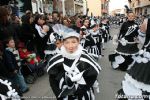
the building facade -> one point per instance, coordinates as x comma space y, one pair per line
104, 7
67, 7
73, 7
94, 10
70, 7
140, 7
42, 6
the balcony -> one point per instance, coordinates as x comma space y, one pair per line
139, 4
79, 1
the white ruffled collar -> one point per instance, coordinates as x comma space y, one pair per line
72, 55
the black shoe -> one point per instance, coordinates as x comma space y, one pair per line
103, 48
26, 90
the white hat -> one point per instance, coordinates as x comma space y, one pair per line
65, 31
71, 34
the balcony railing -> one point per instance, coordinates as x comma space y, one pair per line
79, 1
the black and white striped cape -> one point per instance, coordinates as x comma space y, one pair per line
82, 89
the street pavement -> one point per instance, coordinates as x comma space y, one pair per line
109, 79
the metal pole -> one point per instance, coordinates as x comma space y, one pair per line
63, 7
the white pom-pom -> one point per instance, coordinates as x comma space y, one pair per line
123, 42
9, 83
138, 59
147, 55
122, 39
6, 81
141, 52
144, 60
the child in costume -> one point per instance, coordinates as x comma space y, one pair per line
136, 83
72, 72
127, 45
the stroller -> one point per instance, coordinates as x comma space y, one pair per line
32, 65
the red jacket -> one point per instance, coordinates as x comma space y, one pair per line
24, 55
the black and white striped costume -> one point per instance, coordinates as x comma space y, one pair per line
72, 76
127, 46
137, 78
97, 36
51, 49
105, 31
82, 40
7, 90
90, 45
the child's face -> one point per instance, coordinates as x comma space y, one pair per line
95, 28
11, 44
59, 43
86, 23
131, 16
71, 44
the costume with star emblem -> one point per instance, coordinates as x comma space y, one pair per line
127, 46
73, 76
137, 79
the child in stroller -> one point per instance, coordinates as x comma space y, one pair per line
31, 64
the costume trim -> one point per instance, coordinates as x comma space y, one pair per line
85, 60
124, 42
11, 92
137, 84
92, 60
126, 54
58, 61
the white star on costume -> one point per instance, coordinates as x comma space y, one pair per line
74, 74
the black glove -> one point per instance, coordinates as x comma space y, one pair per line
68, 81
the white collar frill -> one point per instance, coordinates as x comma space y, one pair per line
74, 55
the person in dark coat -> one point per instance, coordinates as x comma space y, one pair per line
41, 34
26, 31
13, 64
7, 29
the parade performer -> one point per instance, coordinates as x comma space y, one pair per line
97, 37
73, 73
54, 42
127, 45
136, 84
84, 31
105, 28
